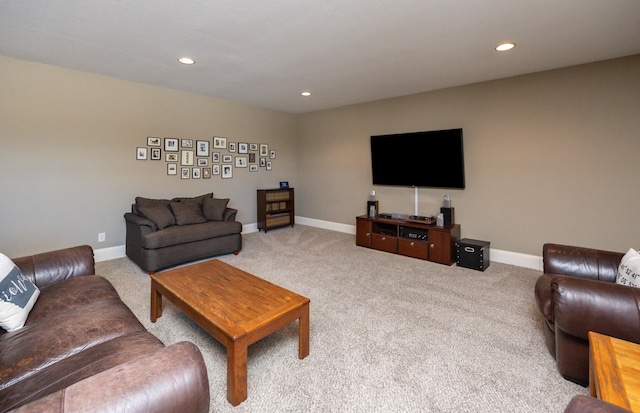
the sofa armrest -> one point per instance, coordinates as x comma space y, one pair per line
146, 225
51, 267
586, 404
230, 214
173, 379
582, 305
581, 262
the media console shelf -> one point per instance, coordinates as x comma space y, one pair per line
410, 238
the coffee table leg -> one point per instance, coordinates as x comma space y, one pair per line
237, 371
303, 333
156, 304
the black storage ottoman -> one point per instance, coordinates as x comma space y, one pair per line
472, 253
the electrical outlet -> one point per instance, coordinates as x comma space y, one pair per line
102, 236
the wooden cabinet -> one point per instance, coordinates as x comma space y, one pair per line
417, 240
276, 208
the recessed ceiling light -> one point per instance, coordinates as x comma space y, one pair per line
505, 46
305, 94
186, 61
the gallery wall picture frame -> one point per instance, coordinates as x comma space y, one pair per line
227, 158
263, 162
141, 153
264, 149
202, 162
253, 147
185, 173
206, 173
171, 145
252, 157
171, 157
187, 143
153, 141
215, 157
227, 172
187, 158
243, 147
272, 154
172, 169
231, 147
253, 168
202, 148
241, 162
156, 154
269, 166
215, 169
219, 142
196, 173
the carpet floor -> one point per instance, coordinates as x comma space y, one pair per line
387, 333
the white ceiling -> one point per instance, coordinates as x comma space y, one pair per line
265, 53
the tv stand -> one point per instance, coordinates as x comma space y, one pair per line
413, 239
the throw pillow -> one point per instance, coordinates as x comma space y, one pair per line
197, 199
17, 295
213, 208
187, 212
160, 215
629, 269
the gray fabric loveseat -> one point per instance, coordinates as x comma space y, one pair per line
162, 233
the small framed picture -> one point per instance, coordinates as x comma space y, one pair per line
187, 143
227, 172
272, 154
264, 149
171, 157
252, 157
206, 173
203, 162
232, 147
284, 185
253, 147
156, 154
202, 148
185, 173
219, 142
172, 169
187, 158
170, 144
215, 169
241, 162
253, 168
263, 162
196, 173
269, 167
243, 147
215, 157
141, 154
152, 141
227, 158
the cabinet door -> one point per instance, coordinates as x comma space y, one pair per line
413, 248
363, 233
440, 247
382, 242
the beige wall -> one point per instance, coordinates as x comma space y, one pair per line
67, 157
549, 157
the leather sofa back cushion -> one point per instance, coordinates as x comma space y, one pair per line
629, 270
17, 295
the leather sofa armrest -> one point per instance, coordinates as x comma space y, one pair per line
586, 404
581, 262
54, 266
230, 214
582, 305
173, 379
146, 225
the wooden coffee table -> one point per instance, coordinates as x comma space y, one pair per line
614, 371
235, 307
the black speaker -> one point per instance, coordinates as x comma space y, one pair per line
448, 215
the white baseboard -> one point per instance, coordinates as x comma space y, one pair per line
505, 257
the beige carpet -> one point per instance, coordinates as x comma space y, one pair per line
388, 333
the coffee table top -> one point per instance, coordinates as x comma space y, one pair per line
226, 297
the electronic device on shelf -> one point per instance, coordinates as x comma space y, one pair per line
384, 215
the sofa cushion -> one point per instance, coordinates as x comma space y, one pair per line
187, 212
629, 269
17, 295
213, 208
199, 199
160, 214
189, 233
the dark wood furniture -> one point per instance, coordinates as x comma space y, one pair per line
276, 208
235, 307
384, 234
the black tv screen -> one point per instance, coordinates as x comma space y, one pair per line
433, 159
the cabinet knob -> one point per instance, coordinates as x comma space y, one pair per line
431, 245
384, 238
412, 243
368, 234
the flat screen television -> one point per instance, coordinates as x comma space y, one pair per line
432, 159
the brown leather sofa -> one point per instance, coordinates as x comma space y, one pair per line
82, 349
576, 294
586, 404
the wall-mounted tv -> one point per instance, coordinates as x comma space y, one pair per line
432, 159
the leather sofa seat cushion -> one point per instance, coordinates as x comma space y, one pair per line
40, 344
176, 235
79, 366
